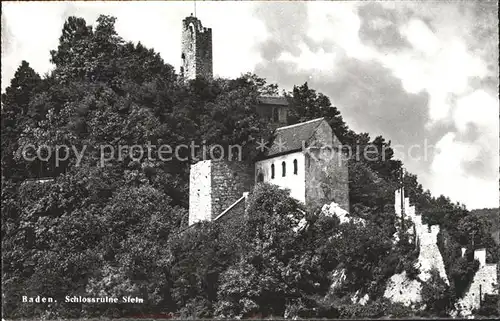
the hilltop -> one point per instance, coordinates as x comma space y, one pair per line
107, 224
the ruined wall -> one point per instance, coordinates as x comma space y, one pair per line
200, 192
269, 112
430, 257
294, 182
230, 179
232, 215
283, 115
196, 50
265, 111
327, 175
214, 185
400, 288
485, 282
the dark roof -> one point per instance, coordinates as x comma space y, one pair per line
269, 100
289, 138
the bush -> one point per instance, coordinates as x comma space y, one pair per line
489, 307
437, 295
412, 271
462, 272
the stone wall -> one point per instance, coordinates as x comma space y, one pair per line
196, 50
234, 214
327, 175
484, 282
269, 112
214, 185
200, 192
426, 236
400, 288
204, 65
230, 179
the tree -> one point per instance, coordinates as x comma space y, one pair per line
197, 258
437, 295
307, 104
16, 115
274, 268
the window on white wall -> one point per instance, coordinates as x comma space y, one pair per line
295, 167
283, 169
272, 171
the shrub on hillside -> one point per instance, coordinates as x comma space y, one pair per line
437, 296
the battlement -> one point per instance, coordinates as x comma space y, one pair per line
485, 282
425, 235
480, 255
191, 20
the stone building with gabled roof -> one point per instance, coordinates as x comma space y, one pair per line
305, 158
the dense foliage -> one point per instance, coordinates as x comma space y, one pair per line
116, 226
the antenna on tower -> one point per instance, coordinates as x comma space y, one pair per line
195, 8
402, 197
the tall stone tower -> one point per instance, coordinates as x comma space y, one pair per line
196, 50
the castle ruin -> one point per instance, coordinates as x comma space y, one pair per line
296, 160
196, 49
304, 158
401, 289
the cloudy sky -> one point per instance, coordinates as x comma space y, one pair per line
422, 74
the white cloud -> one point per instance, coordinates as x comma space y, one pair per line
420, 36
340, 24
29, 41
319, 61
440, 63
450, 154
449, 175
450, 179
477, 108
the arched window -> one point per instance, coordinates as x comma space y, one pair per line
272, 171
283, 169
295, 167
260, 178
191, 31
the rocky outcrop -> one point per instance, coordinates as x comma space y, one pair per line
402, 289
334, 209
